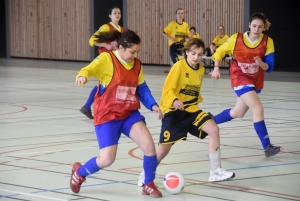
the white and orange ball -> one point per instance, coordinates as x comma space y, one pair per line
174, 182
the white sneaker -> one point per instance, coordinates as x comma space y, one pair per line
220, 175
141, 179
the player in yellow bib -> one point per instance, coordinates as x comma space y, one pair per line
176, 32
179, 102
218, 41
193, 33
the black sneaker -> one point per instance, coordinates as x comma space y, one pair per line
272, 150
86, 112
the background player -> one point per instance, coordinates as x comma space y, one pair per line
115, 16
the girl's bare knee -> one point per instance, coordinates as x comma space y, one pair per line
103, 162
149, 148
214, 131
238, 114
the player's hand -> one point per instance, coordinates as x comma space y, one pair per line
257, 60
178, 105
157, 109
80, 81
174, 39
215, 74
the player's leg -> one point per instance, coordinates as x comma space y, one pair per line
201, 127
86, 109
252, 100
136, 129
108, 136
238, 111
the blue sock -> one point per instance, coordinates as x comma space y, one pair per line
91, 98
150, 165
223, 117
89, 167
261, 130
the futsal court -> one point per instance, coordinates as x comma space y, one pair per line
42, 133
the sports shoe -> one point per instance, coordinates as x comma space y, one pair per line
151, 189
86, 112
220, 175
272, 150
76, 180
141, 179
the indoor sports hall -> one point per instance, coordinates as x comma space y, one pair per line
43, 134
42, 131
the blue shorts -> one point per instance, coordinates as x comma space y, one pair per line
109, 133
242, 91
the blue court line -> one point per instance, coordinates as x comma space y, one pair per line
134, 180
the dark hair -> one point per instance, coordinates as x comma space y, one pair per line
110, 10
193, 42
127, 38
193, 28
262, 17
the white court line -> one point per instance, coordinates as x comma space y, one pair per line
30, 195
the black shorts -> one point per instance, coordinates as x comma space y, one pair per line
176, 125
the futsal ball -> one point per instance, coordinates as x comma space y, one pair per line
174, 182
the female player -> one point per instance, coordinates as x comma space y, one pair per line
115, 16
180, 99
253, 54
218, 41
176, 32
121, 88
193, 33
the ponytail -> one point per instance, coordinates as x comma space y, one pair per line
103, 37
127, 38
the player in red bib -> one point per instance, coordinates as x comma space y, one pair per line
253, 54
121, 88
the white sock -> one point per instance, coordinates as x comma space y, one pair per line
215, 159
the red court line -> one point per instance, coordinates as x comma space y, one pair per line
33, 156
244, 188
4, 162
214, 183
51, 145
241, 188
24, 109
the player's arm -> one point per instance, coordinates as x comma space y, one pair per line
167, 33
144, 93
95, 69
213, 45
269, 58
169, 89
225, 48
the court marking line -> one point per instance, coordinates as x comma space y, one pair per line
29, 194
24, 109
211, 184
232, 186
